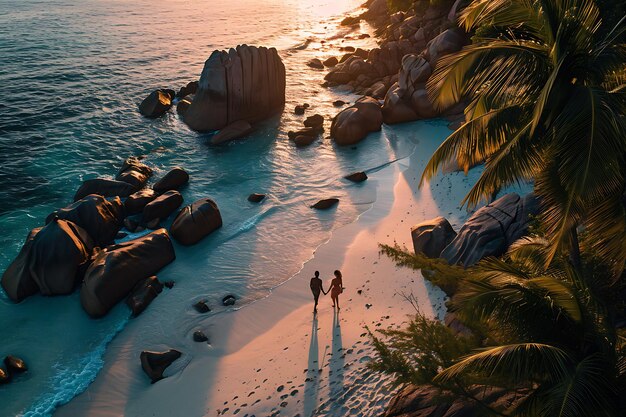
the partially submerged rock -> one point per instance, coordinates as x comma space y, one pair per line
233, 131
117, 269
17, 281
155, 363
101, 218
162, 206
432, 236
190, 88
173, 180
492, 229
15, 365
356, 176
229, 300
105, 188
201, 307
57, 258
246, 83
315, 63
196, 221
143, 294
325, 204
354, 123
156, 104
256, 198
200, 337
134, 172
135, 202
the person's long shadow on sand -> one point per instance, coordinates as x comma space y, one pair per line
336, 374
311, 385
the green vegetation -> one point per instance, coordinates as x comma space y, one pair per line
546, 332
399, 5
545, 82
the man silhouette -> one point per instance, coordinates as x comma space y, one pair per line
316, 288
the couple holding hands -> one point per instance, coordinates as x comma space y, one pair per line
336, 288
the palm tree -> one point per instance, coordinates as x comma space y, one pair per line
547, 332
545, 80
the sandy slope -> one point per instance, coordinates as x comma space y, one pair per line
279, 358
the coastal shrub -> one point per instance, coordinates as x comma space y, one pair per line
548, 330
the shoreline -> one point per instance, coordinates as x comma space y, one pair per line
267, 340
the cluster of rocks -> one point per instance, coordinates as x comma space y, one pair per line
398, 70
373, 72
76, 246
490, 231
12, 366
312, 130
160, 101
237, 88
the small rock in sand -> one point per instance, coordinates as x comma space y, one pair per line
315, 63
339, 103
299, 110
356, 177
331, 62
325, 204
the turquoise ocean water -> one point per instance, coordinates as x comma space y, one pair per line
73, 73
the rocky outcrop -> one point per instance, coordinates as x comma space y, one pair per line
431, 237
155, 363
233, 131
196, 221
162, 206
157, 103
116, 270
190, 88
246, 83
143, 294
105, 188
428, 401
101, 218
134, 172
173, 180
407, 99
491, 230
354, 123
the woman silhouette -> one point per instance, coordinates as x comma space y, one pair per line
336, 288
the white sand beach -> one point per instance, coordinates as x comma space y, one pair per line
273, 355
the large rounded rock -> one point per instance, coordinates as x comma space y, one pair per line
491, 230
156, 104
135, 202
173, 180
196, 221
246, 83
105, 188
17, 281
432, 236
396, 109
233, 131
449, 41
162, 206
101, 218
15, 365
134, 172
143, 294
58, 257
116, 270
354, 123
155, 363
